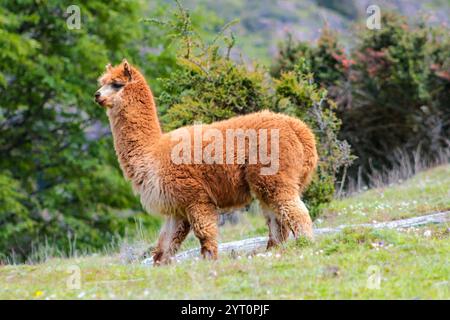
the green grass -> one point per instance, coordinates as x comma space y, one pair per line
410, 264
425, 193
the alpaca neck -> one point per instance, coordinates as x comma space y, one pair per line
135, 128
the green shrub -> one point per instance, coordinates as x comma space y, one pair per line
326, 60
399, 93
219, 92
392, 89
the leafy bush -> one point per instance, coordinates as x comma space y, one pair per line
397, 95
209, 95
327, 61
392, 89
324, 59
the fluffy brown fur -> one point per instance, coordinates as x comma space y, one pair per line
189, 195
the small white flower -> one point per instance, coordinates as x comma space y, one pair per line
213, 273
427, 233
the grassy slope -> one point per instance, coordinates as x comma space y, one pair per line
413, 263
424, 193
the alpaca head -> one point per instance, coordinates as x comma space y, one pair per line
113, 81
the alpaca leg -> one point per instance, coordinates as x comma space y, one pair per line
172, 235
278, 231
204, 221
296, 215
281, 193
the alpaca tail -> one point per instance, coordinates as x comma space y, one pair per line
308, 140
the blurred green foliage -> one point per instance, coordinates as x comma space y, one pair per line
347, 8
59, 179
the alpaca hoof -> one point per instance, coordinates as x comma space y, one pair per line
305, 231
147, 253
308, 234
160, 259
209, 254
271, 244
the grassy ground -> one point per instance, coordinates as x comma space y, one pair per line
425, 193
357, 263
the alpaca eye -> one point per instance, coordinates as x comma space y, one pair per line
117, 85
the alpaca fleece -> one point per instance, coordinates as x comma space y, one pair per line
190, 195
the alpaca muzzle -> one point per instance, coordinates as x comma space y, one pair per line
98, 99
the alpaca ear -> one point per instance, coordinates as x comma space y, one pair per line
127, 69
108, 67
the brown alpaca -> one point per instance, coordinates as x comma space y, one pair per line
189, 195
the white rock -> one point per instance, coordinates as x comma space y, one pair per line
147, 262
